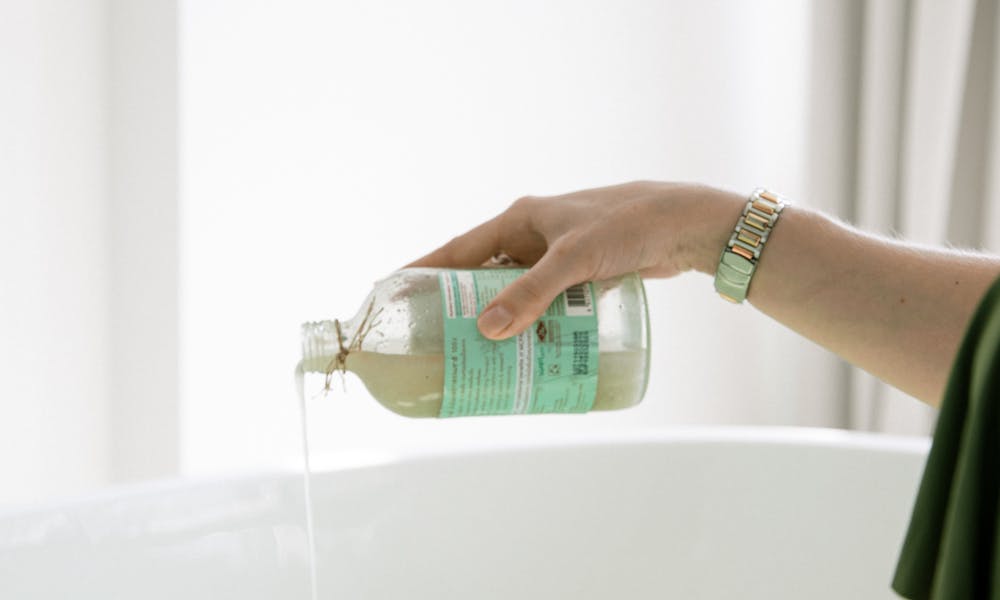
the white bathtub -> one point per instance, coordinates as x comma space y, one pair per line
689, 514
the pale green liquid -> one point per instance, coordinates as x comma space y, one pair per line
412, 384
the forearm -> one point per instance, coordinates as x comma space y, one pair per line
898, 311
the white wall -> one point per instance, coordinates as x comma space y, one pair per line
325, 144
144, 221
54, 249
88, 245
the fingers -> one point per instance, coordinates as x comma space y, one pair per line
522, 302
470, 249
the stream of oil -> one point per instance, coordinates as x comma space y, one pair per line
306, 482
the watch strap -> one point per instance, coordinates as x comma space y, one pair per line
742, 252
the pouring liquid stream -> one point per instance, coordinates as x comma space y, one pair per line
306, 482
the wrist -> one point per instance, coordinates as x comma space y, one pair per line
709, 226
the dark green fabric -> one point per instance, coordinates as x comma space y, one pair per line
951, 547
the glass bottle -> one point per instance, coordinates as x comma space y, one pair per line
396, 343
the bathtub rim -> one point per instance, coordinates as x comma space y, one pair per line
432, 450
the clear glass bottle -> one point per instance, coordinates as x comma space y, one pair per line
395, 344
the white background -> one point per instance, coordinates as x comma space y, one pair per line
325, 144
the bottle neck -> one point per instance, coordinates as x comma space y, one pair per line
325, 345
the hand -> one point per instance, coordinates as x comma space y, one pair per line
657, 229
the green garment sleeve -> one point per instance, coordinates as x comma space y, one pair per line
951, 550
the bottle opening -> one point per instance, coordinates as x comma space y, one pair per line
320, 345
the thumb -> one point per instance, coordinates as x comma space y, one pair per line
525, 300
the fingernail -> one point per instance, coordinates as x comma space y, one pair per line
494, 320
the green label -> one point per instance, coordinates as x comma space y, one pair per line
549, 368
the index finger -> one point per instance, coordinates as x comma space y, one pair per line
471, 249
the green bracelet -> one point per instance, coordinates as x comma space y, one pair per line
739, 258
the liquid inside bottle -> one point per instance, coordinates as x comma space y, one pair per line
396, 343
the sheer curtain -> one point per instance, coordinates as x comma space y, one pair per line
915, 155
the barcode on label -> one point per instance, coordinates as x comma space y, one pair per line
579, 302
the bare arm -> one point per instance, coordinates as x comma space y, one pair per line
896, 310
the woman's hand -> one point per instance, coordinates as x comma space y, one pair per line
658, 229
894, 309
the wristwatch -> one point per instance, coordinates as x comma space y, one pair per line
740, 256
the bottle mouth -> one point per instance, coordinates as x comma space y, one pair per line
320, 345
